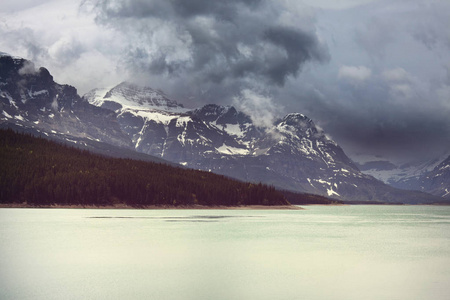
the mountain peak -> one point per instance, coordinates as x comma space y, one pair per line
135, 88
298, 124
132, 96
4, 54
296, 119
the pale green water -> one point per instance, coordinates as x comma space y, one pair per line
347, 252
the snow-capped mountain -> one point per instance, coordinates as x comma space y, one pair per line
427, 175
30, 99
293, 154
402, 175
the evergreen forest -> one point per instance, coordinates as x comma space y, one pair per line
40, 172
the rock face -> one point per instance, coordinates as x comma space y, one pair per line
29, 98
437, 182
293, 154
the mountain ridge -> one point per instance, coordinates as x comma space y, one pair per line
431, 176
223, 140
293, 154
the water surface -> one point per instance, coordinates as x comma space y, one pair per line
323, 252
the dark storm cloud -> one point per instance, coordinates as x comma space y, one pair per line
405, 137
212, 42
222, 10
299, 46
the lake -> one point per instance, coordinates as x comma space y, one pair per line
322, 252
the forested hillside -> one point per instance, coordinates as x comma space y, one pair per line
40, 172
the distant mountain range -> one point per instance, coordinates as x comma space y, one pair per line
292, 154
431, 176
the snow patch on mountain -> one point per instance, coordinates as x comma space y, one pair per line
225, 149
19, 117
447, 193
231, 129
7, 115
330, 192
158, 116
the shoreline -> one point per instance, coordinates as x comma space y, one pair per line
323, 204
153, 207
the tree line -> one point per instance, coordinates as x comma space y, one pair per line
42, 172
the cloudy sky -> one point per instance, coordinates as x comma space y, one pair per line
374, 74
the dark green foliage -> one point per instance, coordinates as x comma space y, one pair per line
41, 172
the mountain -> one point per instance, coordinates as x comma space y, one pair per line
430, 176
437, 181
293, 154
30, 99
